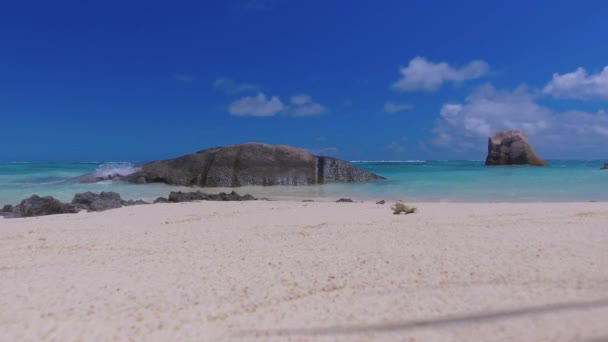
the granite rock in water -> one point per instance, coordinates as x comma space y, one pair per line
41, 206
179, 196
605, 167
511, 148
250, 164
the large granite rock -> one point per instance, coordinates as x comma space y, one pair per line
41, 206
250, 164
511, 148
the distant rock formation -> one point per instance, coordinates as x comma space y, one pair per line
511, 148
605, 167
250, 164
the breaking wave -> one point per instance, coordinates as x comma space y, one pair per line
115, 169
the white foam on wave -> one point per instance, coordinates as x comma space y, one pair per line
114, 169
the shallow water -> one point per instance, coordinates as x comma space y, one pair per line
454, 181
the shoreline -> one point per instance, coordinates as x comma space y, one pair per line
255, 270
321, 193
388, 203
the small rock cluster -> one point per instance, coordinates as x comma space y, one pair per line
177, 197
39, 206
90, 201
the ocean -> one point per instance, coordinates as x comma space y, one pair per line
448, 181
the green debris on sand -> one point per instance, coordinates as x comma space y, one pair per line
400, 207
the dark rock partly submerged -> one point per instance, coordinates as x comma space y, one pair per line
511, 148
250, 164
605, 167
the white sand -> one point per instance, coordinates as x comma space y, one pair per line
297, 271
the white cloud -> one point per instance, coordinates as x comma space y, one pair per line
464, 126
421, 74
302, 105
392, 107
231, 87
301, 99
579, 85
260, 105
256, 106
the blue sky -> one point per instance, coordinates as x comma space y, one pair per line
142, 80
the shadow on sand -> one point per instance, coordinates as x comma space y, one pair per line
432, 323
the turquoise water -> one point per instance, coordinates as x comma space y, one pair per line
21, 180
454, 181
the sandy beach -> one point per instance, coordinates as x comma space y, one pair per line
214, 271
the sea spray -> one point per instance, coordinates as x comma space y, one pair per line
113, 169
